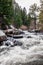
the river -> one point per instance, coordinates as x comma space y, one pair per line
30, 53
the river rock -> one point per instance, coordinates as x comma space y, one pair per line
17, 43
9, 43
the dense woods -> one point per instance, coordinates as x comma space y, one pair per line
12, 13
20, 16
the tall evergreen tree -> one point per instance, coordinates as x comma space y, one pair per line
24, 16
6, 10
17, 16
28, 19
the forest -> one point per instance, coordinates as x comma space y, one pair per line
12, 13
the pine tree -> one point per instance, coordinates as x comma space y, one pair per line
24, 16
6, 10
17, 16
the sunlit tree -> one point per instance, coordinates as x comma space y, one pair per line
33, 9
41, 12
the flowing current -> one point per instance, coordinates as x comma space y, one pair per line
30, 53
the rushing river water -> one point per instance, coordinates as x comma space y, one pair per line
30, 53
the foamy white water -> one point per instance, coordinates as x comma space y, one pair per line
30, 51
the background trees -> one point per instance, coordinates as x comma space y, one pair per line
15, 14
6, 10
20, 16
33, 13
41, 12
24, 16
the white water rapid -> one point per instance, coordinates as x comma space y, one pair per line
30, 53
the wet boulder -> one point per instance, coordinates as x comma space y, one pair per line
12, 43
9, 43
17, 43
29, 37
1, 43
